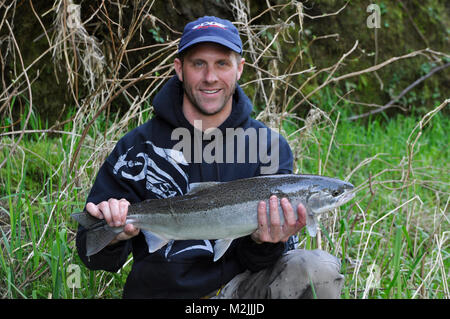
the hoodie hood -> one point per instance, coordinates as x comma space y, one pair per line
169, 100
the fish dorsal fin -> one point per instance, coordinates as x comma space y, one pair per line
220, 247
196, 187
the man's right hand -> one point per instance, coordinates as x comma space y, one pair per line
114, 212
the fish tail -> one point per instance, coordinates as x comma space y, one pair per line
98, 233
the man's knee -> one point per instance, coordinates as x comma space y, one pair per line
307, 274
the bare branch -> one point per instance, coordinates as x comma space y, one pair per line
406, 90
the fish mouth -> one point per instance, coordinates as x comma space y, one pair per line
347, 196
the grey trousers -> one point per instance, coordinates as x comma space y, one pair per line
297, 274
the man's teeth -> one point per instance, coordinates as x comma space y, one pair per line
210, 91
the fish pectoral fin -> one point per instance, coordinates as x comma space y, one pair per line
196, 187
311, 225
220, 247
154, 241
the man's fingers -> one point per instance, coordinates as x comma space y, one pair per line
290, 221
115, 212
262, 215
275, 223
130, 230
262, 232
93, 209
104, 208
273, 230
288, 212
123, 207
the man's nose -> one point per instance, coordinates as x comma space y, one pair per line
210, 75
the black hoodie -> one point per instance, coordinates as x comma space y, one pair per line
145, 164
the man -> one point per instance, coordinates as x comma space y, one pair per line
146, 163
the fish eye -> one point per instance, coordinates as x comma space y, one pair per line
335, 193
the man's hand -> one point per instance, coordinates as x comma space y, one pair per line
114, 212
275, 232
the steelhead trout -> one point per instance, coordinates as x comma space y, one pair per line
221, 211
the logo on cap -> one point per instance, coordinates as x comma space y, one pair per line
210, 24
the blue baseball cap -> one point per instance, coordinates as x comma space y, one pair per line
210, 29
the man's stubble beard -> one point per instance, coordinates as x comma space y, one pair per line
188, 91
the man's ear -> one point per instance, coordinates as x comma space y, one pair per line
178, 68
240, 68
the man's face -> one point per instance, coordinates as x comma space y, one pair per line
209, 73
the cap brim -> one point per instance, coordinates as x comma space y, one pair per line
221, 41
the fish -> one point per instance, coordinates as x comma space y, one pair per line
220, 211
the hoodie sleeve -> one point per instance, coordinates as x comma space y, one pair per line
107, 185
259, 256
256, 257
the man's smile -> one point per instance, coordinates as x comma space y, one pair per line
210, 91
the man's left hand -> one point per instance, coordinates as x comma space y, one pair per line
272, 231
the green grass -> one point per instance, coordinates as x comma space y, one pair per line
400, 222
36, 199
392, 239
